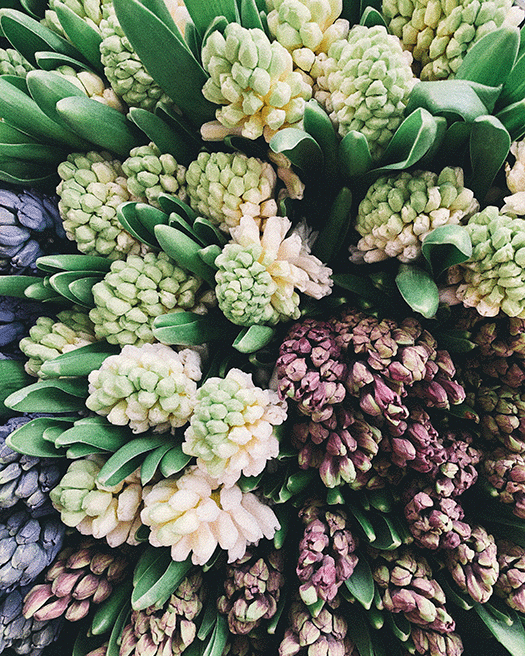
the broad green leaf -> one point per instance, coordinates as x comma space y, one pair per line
113, 648
128, 217
203, 13
488, 95
361, 583
253, 338
208, 233
320, 127
107, 612
250, 17
28, 439
15, 285
79, 362
40, 291
511, 636
10, 135
418, 289
354, 155
173, 204
47, 88
151, 462
50, 61
185, 251
26, 172
60, 282
80, 32
490, 60
82, 290
455, 342
100, 124
300, 148
513, 119
12, 378
60, 395
157, 580
514, 87
386, 534
102, 436
372, 17
173, 461
66, 262
124, 461
40, 155
453, 99
219, 636
84, 644
190, 329
446, 246
176, 63
489, 147
455, 142
332, 235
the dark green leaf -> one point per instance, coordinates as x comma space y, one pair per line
514, 88
489, 147
332, 235
372, 17
60, 282
82, 290
12, 378
513, 119
80, 32
418, 289
512, 636
15, 285
361, 583
453, 99
300, 148
187, 328
203, 13
151, 462
354, 154
79, 362
185, 251
320, 127
124, 461
158, 581
128, 217
446, 246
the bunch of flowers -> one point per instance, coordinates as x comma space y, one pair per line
262, 320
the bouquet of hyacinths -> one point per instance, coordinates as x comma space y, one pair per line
262, 328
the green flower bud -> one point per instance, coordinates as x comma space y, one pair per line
92, 188
123, 68
306, 27
227, 186
149, 174
399, 211
253, 78
439, 34
494, 276
92, 85
103, 512
364, 83
137, 290
13, 63
49, 338
148, 387
92, 11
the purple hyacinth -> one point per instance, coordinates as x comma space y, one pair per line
505, 471
510, 585
326, 552
432, 643
459, 470
16, 317
30, 227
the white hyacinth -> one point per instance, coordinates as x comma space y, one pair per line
193, 514
231, 431
515, 203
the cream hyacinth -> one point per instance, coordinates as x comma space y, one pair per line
259, 273
232, 428
515, 204
193, 514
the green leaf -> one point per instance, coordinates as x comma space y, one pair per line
113, 648
363, 287
15, 285
514, 87
61, 282
13, 377
82, 291
96, 432
418, 289
171, 204
173, 461
490, 60
79, 362
208, 233
128, 458
56, 263
446, 246
167, 141
300, 148
453, 99
387, 535
29, 438
100, 124
361, 583
253, 338
47, 88
511, 636
219, 636
185, 251
489, 147
80, 32
151, 462
203, 13
107, 612
359, 633
411, 141
29, 36
354, 154
250, 15
456, 342
190, 329
176, 64
332, 236
60, 395
158, 581
372, 17
128, 217
400, 626
513, 119
40, 291
320, 128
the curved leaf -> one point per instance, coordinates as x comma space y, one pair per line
28, 439
513, 119
510, 635
418, 289
253, 338
128, 217
12, 378
190, 329
354, 154
319, 126
66, 262
79, 362
61, 395
332, 236
185, 251
446, 246
361, 583
300, 148
453, 99
159, 577
489, 147
80, 32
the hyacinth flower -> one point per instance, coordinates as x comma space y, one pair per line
94, 509
440, 35
252, 589
16, 317
399, 211
259, 273
78, 578
13, 63
145, 387
253, 80
511, 579
228, 186
24, 635
50, 337
364, 81
326, 552
25, 478
232, 428
30, 226
170, 629
505, 472
193, 514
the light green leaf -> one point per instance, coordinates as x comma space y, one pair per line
253, 338
300, 148
446, 246
354, 155
79, 362
453, 99
190, 329
418, 289
361, 583
511, 636
489, 147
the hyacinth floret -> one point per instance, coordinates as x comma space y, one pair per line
510, 585
50, 337
439, 34
227, 186
170, 629
505, 471
399, 211
306, 27
137, 290
252, 589
231, 430
151, 386
16, 317
364, 82
150, 173
13, 63
93, 86
493, 279
193, 514
254, 81
92, 187
258, 274
110, 512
